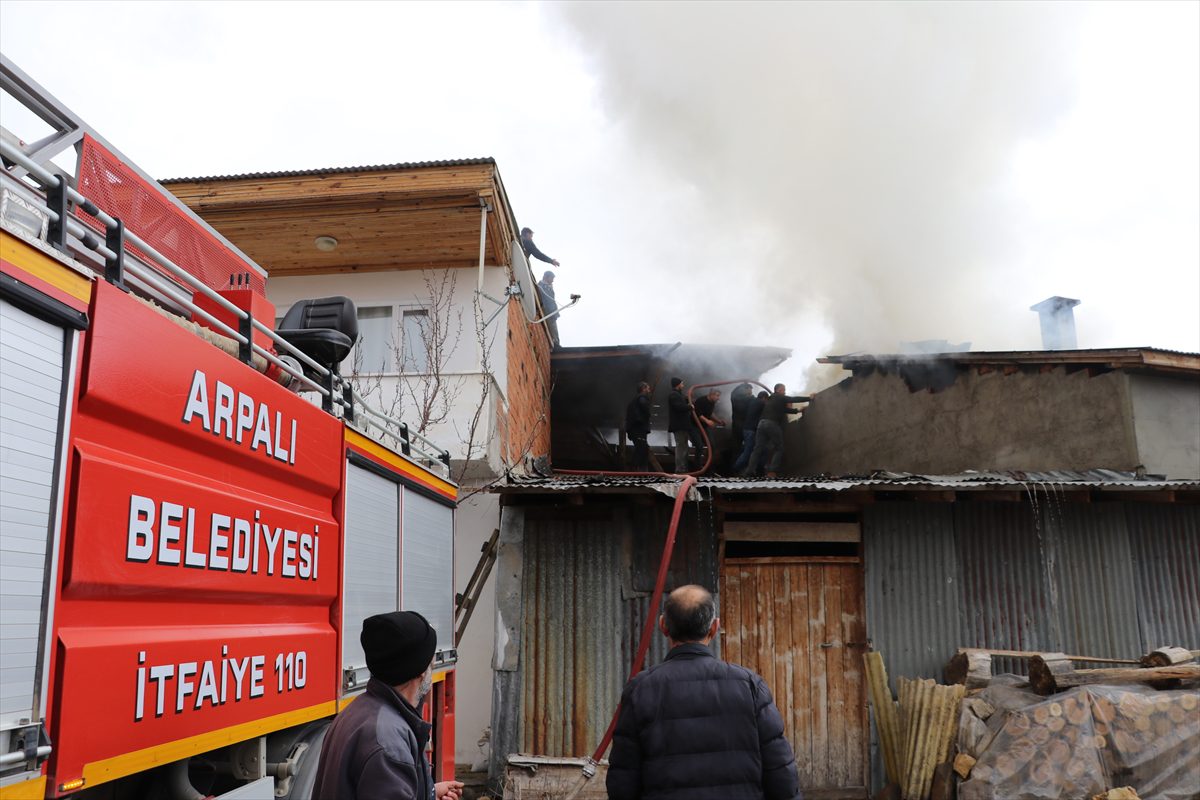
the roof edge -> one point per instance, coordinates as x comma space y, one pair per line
299, 173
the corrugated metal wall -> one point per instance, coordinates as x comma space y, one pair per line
911, 575
1097, 594
1105, 579
1165, 544
586, 597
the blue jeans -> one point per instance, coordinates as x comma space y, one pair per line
747, 448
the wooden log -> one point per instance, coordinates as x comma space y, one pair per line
963, 764
890, 791
1028, 653
942, 783
980, 708
1167, 656
1045, 669
1058, 681
1075, 712
970, 667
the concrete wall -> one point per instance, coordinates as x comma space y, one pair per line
1023, 421
1166, 424
407, 288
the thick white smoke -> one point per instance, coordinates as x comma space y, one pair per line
858, 150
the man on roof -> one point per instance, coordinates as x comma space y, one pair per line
531, 249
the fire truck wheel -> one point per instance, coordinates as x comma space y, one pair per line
304, 773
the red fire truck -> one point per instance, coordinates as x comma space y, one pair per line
196, 511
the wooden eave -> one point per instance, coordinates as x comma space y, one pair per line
384, 219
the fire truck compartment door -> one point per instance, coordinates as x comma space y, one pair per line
427, 585
372, 565
31, 397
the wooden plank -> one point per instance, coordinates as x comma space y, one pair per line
767, 654
854, 645
793, 531
784, 688
555, 780
835, 677
731, 593
802, 711
819, 686
749, 622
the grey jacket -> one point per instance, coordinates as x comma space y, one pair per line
375, 749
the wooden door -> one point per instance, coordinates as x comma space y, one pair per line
799, 623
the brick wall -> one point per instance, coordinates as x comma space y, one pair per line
525, 430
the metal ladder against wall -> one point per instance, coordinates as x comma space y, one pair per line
465, 601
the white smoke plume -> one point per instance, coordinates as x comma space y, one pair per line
857, 153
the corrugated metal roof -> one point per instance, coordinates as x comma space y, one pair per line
1024, 481
297, 173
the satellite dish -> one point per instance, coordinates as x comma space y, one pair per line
524, 277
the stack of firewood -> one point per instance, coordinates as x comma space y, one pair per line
1050, 746
1148, 736
1075, 743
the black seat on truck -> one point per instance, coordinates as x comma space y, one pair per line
323, 329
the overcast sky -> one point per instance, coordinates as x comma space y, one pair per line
825, 177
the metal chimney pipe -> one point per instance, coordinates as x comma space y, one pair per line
1058, 322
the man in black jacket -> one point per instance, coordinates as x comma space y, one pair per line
681, 425
376, 747
768, 437
637, 426
696, 727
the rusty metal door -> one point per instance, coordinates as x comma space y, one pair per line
799, 622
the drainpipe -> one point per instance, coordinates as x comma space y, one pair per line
483, 212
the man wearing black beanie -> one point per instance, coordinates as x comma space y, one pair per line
375, 748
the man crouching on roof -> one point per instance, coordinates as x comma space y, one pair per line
376, 747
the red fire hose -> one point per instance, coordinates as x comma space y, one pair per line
686, 482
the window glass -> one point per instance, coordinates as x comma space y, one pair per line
416, 341
373, 353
